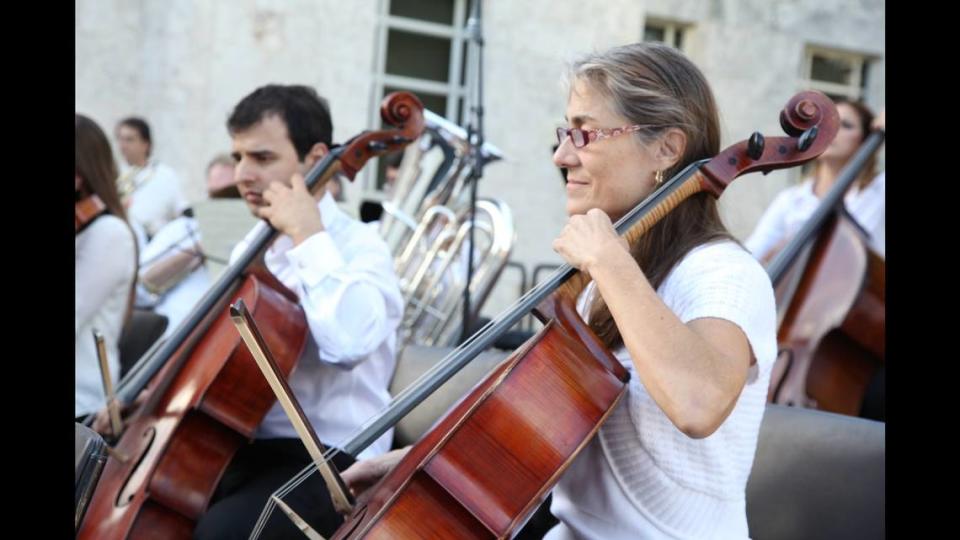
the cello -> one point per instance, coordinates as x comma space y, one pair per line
206, 394
490, 461
830, 293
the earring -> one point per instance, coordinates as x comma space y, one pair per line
658, 179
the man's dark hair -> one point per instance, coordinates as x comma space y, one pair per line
141, 126
304, 112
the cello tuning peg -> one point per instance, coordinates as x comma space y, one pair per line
755, 146
377, 146
807, 138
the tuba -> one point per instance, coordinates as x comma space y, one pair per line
432, 268
434, 171
427, 221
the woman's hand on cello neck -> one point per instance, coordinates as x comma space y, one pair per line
589, 238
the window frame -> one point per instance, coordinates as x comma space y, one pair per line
671, 28
452, 89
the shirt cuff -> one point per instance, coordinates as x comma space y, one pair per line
315, 258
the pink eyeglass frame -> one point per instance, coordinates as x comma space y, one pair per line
591, 135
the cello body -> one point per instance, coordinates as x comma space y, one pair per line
832, 335
483, 469
177, 450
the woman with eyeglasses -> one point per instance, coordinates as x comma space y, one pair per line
688, 311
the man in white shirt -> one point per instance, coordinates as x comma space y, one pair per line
342, 272
151, 190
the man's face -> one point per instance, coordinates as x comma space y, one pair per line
264, 154
133, 147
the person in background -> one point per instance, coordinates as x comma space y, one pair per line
106, 266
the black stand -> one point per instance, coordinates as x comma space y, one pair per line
475, 138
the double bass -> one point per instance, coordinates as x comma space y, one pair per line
489, 463
830, 291
206, 394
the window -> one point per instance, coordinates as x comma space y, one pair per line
663, 31
836, 73
422, 50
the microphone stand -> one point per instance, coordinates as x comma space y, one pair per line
475, 138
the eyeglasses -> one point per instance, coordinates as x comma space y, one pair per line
581, 137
